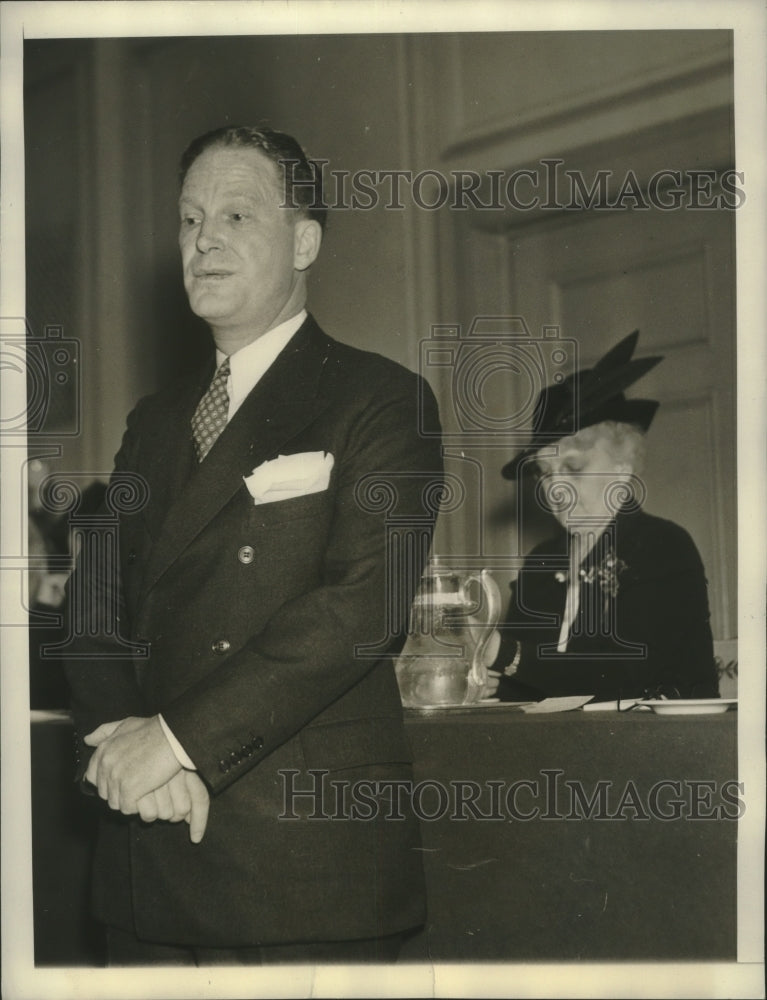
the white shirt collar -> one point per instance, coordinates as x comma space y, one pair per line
250, 363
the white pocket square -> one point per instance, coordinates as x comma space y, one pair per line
289, 476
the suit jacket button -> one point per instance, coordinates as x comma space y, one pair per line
132, 556
258, 743
224, 766
246, 554
221, 646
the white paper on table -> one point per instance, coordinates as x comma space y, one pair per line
566, 704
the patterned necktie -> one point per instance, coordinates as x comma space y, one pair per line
211, 414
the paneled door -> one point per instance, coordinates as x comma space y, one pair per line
592, 278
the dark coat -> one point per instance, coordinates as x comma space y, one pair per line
642, 626
256, 618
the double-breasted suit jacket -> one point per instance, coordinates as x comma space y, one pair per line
642, 625
254, 616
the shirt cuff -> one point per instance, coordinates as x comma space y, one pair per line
181, 755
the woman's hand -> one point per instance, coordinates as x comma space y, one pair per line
490, 688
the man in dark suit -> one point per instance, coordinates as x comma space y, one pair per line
266, 585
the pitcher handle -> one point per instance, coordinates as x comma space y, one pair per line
492, 597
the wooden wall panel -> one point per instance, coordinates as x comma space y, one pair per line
652, 294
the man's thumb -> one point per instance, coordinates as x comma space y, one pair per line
198, 814
103, 732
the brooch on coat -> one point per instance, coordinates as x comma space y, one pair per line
604, 574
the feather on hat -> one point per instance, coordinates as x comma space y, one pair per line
588, 397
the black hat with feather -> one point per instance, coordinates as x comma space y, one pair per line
589, 397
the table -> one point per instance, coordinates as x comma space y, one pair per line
585, 877
596, 888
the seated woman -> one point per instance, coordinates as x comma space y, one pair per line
615, 604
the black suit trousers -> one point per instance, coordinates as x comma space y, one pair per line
125, 949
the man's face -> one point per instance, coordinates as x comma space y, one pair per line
580, 477
243, 255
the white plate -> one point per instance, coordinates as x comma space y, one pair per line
690, 706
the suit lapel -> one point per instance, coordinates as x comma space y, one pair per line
171, 459
282, 404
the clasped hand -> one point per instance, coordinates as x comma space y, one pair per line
135, 771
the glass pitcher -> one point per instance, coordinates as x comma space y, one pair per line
443, 660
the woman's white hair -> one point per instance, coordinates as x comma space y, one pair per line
625, 442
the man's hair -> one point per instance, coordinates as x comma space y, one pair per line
302, 177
